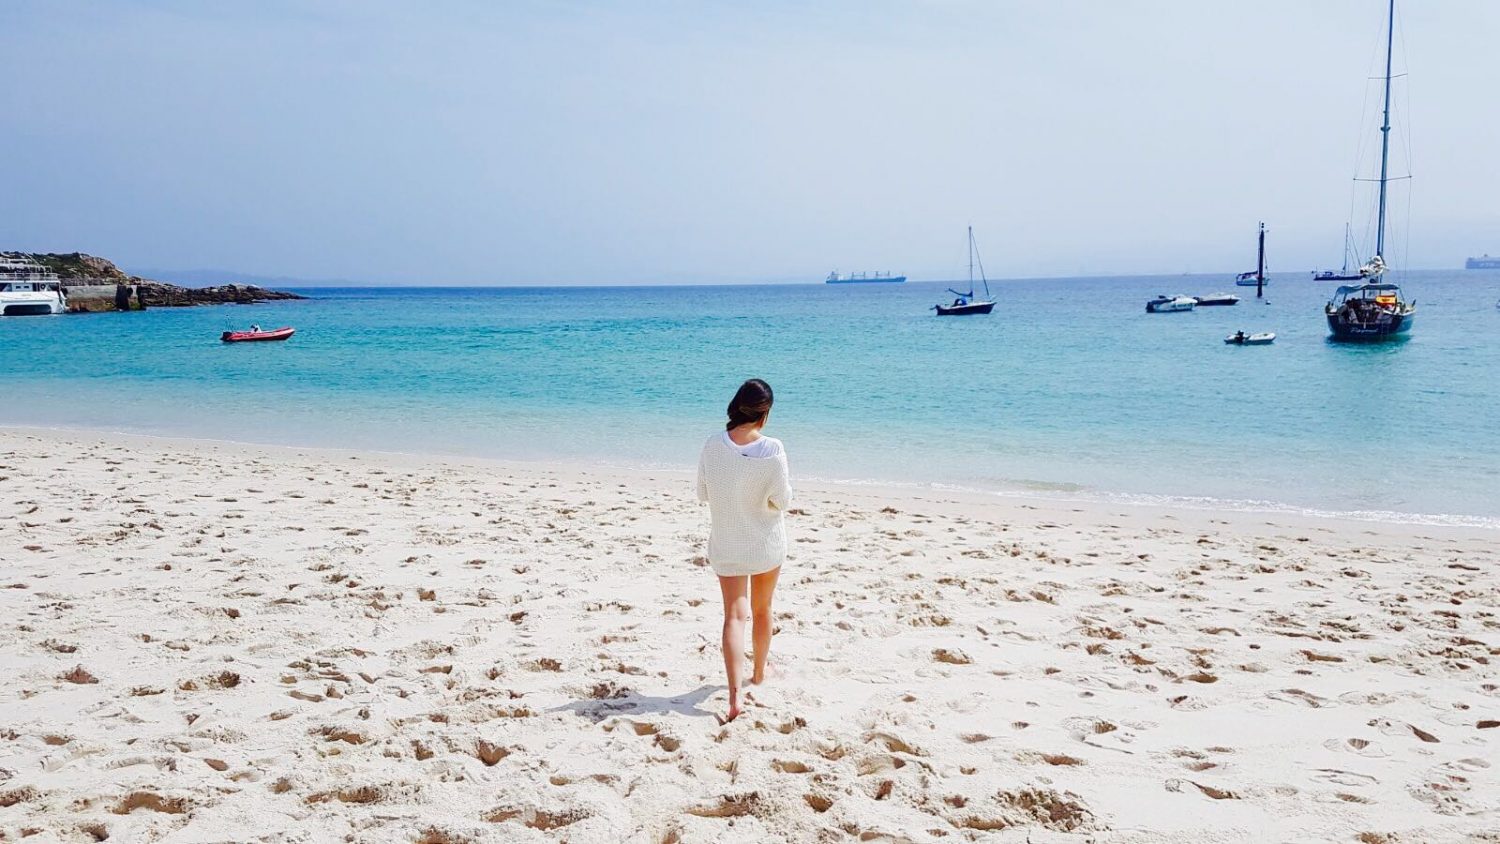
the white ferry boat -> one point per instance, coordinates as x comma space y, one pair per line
29, 289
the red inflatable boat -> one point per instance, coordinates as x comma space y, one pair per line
256, 336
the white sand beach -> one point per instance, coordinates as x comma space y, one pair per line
214, 642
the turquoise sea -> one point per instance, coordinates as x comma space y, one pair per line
1069, 389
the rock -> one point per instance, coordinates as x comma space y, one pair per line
170, 295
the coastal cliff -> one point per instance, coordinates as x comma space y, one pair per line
96, 284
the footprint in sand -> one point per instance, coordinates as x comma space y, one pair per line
790, 766
1400, 728
1358, 746
727, 807
1097, 732
878, 763
1444, 786
1180, 785
1300, 698
1341, 777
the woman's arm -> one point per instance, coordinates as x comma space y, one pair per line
702, 479
781, 484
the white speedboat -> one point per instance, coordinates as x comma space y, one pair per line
1168, 304
1217, 299
1240, 338
28, 288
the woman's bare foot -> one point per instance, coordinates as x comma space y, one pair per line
766, 673
734, 706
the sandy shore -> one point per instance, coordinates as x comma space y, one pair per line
208, 642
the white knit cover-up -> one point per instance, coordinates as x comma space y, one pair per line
746, 497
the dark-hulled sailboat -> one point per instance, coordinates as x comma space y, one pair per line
966, 304
1374, 308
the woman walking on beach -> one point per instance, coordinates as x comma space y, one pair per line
742, 474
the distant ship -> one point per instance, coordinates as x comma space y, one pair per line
863, 278
1482, 263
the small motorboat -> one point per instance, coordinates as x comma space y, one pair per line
1217, 299
1168, 304
1240, 338
256, 336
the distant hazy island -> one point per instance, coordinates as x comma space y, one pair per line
96, 284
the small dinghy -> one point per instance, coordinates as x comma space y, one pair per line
1240, 338
1168, 304
256, 336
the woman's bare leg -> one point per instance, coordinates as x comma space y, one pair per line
736, 591
762, 587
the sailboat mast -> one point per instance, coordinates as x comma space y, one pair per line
1260, 257
971, 260
1260, 264
1385, 130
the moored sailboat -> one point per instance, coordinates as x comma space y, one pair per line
966, 303
1343, 273
1257, 277
1374, 309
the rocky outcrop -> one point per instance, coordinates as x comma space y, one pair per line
78, 268
157, 294
95, 283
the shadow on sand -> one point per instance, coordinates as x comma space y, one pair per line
631, 703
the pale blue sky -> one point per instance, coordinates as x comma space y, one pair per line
476, 142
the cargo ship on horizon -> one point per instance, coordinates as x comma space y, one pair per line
863, 278
1484, 262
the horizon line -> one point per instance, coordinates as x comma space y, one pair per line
309, 284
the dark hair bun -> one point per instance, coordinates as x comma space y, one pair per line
751, 403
